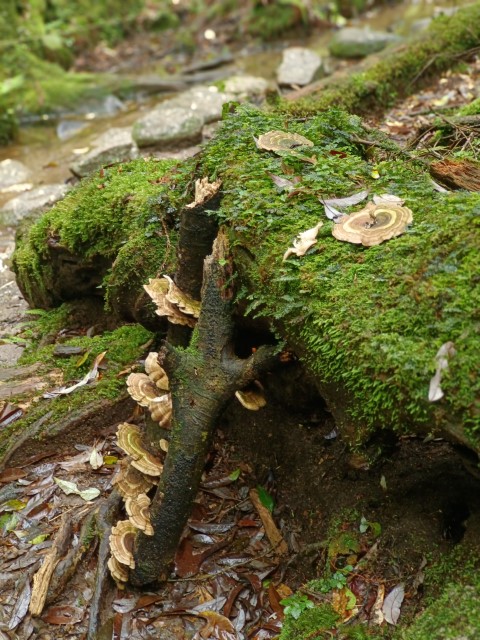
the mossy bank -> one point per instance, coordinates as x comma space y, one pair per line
367, 322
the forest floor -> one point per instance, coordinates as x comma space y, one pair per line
389, 518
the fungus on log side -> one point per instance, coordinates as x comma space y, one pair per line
130, 482
373, 224
129, 439
138, 510
141, 388
122, 541
155, 371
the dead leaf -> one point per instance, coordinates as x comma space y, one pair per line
447, 350
377, 616
217, 626
348, 201
303, 242
273, 534
392, 603
70, 487
284, 183
12, 474
64, 615
21, 606
388, 198
91, 376
96, 458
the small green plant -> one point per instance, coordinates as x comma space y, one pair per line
296, 604
337, 580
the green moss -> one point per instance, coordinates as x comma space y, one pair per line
107, 215
310, 624
367, 321
471, 109
122, 346
452, 589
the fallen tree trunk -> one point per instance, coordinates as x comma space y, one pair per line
396, 72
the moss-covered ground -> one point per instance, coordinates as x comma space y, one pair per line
122, 347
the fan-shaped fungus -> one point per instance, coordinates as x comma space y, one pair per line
252, 397
161, 410
373, 225
129, 438
130, 482
155, 372
118, 571
121, 542
138, 510
171, 302
204, 191
141, 388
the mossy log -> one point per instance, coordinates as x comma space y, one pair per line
396, 72
366, 322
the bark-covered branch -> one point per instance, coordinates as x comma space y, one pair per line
203, 378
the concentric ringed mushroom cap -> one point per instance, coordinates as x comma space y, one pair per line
121, 542
373, 224
118, 571
138, 510
129, 439
141, 388
130, 482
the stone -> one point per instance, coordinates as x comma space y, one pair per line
354, 42
114, 145
12, 172
207, 102
31, 202
299, 66
168, 126
66, 129
246, 86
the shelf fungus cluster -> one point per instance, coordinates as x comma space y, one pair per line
152, 390
373, 224
137, 474
172, 303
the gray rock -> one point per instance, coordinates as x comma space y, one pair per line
206, 102
353, 42
245, 86
10, 355
114, 145
299, 66
168, 126
12, 172
66, 129
32, 202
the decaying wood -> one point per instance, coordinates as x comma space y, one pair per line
41, 579
202, 381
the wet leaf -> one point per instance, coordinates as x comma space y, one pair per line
265, 498
64, 615
284, 183
40, 538
392, 603
348, 201
377, 616
13, 505
96, 459
235, 474
11, 474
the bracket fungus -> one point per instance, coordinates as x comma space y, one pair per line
373, 224
141, 388
130, 482
252, 397
129, 439
118, 571
171, 302
161, 410
155, 372
138, 510
121, 542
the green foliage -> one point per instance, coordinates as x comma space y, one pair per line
296, 604
265, 498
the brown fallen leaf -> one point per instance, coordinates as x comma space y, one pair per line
217, 626
64, 614
11, 474
279, 545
